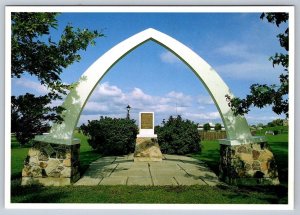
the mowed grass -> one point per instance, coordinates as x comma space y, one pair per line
145, 194
150, 194
278, 144
19, 153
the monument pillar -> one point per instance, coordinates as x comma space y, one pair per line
147, 148
247, 164
52, 164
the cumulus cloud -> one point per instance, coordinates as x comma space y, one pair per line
169, 57
107, 90
205, 100
204, 116
31, 85
245, 64
234, 49
110, 100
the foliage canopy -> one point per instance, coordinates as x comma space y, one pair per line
34, 52
178, 136
206, 127
262, 95
111, 136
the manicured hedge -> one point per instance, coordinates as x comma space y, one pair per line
111, 136
178, 136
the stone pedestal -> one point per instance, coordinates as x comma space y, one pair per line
51, 164
147, 149
248, 164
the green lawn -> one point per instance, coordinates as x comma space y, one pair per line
148, 194
19, 153
278, 144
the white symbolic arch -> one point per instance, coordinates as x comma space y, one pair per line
237, 129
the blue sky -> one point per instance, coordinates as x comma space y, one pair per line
236, 45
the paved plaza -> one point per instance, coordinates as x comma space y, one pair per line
173, 170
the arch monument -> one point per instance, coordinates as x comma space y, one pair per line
54, 158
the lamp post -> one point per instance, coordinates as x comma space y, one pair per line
128, 109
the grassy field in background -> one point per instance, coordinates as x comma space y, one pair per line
151, 194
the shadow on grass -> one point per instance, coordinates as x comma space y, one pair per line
273, 194
280, 151
86, 158
35, 193
211, 159
16, 175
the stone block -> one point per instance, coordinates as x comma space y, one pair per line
255, 154
33, 160
114, 180
147, 149
49, 181
67, 162
43, 164
56, 164
266, 155
248, 164
26, 171
43, 156
32, 152
66, 172
36, 171
52, 164
88, 181
145, 181
245, 157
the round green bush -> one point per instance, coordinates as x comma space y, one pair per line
206, 127
218, 127
178, 136
111, 136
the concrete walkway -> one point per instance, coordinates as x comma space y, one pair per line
173, 170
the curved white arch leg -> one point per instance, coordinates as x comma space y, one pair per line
237, 129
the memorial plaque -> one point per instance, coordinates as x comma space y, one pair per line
146, 120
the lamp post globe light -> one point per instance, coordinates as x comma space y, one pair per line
128, 110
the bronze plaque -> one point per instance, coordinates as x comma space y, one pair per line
146, 120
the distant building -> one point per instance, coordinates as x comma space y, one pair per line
212, 127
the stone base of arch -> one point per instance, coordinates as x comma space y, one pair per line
51, 164
248, 164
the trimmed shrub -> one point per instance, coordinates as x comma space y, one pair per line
111, 136
178, 136
206, 127
218, 127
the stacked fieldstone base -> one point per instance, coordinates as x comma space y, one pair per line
51, 164
147, 149
248, 164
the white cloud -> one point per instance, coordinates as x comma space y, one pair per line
169, 57
204, 116
32, 85
138, 94
107, 90
246, 64
110, 100
235, 50
178, 95
256, 70
205, 100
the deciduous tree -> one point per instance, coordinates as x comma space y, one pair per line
35, 52
262, 95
